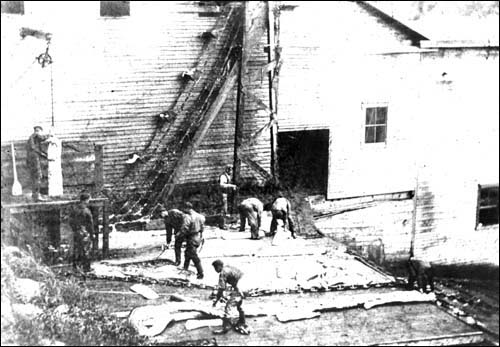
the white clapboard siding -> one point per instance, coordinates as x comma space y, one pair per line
112, 76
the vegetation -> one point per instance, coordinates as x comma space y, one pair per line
70, 315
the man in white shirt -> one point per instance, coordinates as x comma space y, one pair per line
225, 187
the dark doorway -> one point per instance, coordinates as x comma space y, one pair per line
303, 160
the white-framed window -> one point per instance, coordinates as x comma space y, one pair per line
115, 8
13, 7
375, 122
487, 205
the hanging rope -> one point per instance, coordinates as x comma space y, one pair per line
45, 59
23, 73
52, 95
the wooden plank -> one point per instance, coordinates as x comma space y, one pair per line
256, 167
202, 131
440, 340
50, 203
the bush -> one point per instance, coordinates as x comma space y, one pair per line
86, 320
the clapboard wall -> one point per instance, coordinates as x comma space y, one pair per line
81, 168
442, 129
112, 77
336, 63
458, 150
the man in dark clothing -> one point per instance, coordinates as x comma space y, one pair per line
194, 237
33, 154
281, 209
82, 224
422, 272
229, 275
179, 222
251, 209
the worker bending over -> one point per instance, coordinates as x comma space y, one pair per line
281, 209
251, 209
229, 276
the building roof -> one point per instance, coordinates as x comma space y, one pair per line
447, 21
413, 35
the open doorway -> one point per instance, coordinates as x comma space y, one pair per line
303, 160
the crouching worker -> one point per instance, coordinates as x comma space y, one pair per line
194, 238
251, 209
229, 275
422, 272
281, 209
82, 224
177, 222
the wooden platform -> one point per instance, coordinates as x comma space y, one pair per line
403, 324
14, 212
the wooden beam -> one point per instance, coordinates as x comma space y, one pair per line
272, 93
256, 167
226, 88
98, 169
243, 81
105, 229
255, 136
443, 340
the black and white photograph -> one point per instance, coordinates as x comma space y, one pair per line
250, 173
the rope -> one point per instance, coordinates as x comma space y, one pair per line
52, 95
23, 73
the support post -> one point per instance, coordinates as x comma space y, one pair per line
240, 98
272, 93
7, 235
105, 229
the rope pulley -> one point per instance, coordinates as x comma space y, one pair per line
45, 59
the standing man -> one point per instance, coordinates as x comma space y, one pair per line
82, 224
251, 209
229, 275
194, 237
177, 221
34, 153
281, 209
225, 187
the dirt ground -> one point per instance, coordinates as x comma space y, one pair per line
477, 299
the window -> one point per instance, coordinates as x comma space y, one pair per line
376, 124
14, 7
487, 207
115, 8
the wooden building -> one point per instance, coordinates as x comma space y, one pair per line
402, 114
377, 112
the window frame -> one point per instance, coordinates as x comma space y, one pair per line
114, 17
479, 225
364, 125
23, 10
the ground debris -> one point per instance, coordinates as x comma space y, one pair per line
295, 315
146, 292
200, 323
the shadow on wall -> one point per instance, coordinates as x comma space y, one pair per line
462, 271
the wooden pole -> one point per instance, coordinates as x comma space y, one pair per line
240, 98
105, 229
272, 96
202, 131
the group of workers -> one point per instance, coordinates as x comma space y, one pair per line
185, 224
